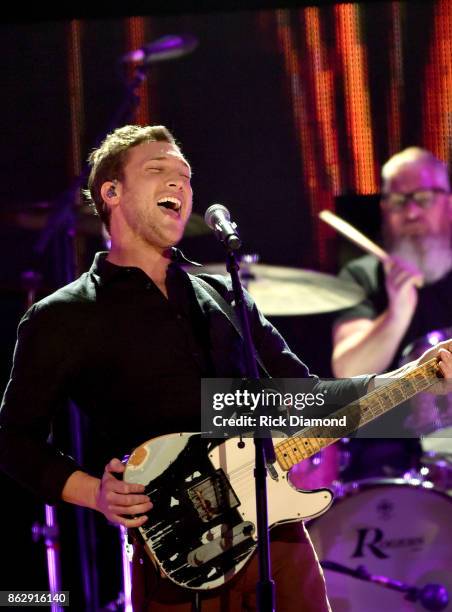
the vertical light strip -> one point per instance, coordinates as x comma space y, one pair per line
76, 104
322, 77
301, 119
314, 119
75, 78
396, 84
437, 127
135, 35
357, 102
292, 68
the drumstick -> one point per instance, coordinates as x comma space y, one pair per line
350, 232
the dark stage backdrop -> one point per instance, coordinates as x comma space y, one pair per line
279, 111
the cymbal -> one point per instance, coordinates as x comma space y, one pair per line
280, 291
35, 216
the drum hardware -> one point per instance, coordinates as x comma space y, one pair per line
437, 467
430, 416
432, 596
123, 602
49, 532
413, 478
346, 454
280, 291
323, 469
320, 470
31, 281
117, 605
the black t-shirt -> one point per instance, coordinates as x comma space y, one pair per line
384, 455
433, 310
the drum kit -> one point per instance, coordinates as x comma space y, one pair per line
386, 544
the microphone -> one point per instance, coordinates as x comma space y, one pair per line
217, 217
164, 48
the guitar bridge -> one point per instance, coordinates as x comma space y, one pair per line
229, 539
213, 496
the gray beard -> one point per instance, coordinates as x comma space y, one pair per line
431, 254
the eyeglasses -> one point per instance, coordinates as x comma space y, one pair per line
425, 198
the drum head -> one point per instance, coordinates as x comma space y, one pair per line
399, 531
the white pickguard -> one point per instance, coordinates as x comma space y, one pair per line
285, 502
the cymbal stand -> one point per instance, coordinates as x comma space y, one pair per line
123, 602
49, 531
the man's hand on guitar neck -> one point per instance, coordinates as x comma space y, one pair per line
118, 500
443, 353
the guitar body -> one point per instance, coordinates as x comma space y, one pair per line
202, 528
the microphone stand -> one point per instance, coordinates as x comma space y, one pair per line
61, 224
263, 448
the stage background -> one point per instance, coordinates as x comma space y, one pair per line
281, 112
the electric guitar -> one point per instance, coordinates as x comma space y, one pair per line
202, 528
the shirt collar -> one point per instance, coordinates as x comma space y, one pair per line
106, 271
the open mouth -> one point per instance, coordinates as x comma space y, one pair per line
170, 204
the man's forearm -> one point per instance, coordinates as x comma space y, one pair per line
81, 489
370, 350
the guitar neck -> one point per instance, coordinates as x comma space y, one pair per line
358, 413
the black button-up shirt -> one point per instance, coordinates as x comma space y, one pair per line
131, 360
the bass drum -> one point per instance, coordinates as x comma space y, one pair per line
394, 529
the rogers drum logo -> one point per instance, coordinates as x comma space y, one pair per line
372, 540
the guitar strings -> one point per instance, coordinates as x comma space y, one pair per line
246, 467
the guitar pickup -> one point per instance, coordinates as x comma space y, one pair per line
226, 541
213, 496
